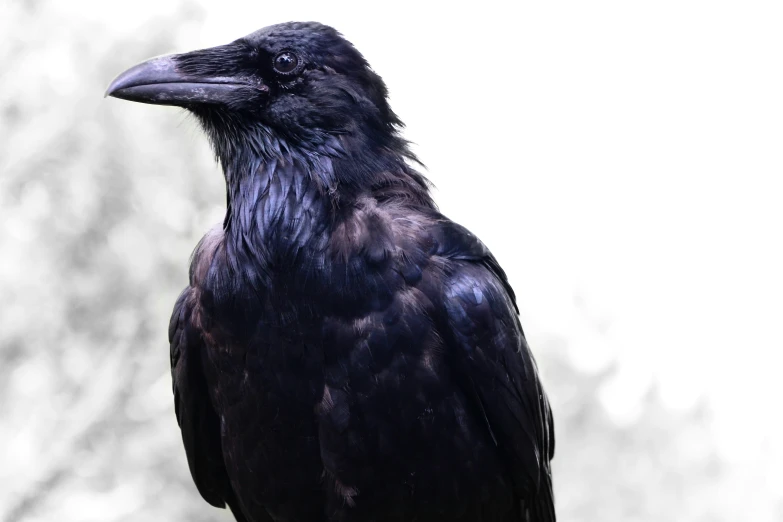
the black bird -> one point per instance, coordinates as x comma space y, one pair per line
343, 351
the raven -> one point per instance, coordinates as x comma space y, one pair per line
343, 351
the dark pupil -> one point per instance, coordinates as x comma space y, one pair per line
285, 62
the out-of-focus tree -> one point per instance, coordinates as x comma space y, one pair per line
95, 241
662, 466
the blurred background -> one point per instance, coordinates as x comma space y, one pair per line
621, 159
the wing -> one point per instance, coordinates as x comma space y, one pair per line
495, 367
197, 419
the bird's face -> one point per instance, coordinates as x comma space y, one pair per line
301, 80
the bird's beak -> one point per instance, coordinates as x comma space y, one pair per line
160, 82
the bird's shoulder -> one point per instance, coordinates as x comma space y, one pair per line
210, 246
383, 228
405, 242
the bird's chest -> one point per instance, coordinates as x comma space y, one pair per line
276, 332
265, 388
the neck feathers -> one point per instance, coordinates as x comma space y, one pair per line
264, 170
285, 202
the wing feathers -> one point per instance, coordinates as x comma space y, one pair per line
197, 419
495, 365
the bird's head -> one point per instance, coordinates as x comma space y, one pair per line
301, 83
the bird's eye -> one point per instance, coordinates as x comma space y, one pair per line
285, 62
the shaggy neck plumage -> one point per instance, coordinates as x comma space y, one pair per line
343, 166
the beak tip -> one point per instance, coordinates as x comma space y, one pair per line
110, 90
114, 86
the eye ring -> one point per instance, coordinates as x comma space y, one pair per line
286, 63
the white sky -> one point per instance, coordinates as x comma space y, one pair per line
621, 159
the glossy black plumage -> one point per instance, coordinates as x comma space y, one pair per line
343, 351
